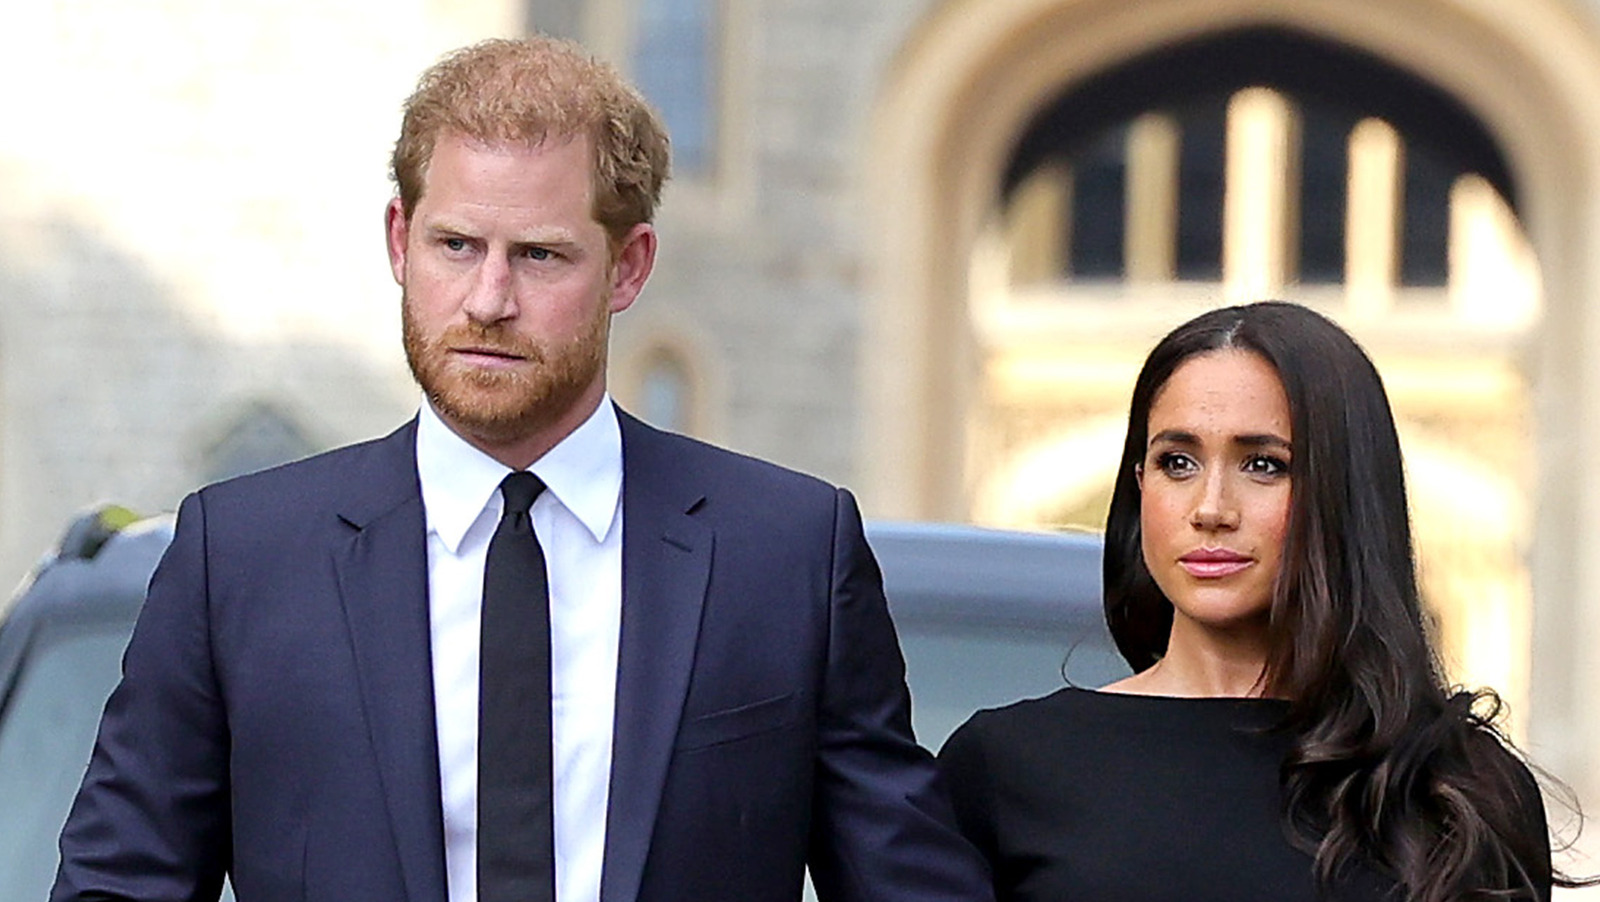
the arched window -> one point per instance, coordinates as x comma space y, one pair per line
260, 437
666, 395
1260, 158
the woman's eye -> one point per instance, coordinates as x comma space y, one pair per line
1266, 465
1176, 465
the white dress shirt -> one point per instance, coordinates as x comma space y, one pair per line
578, 519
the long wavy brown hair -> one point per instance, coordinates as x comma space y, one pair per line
1388, 766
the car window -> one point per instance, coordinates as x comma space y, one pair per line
953, 672
46, 733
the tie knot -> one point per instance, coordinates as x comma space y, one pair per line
519, 490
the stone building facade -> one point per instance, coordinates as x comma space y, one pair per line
915, 246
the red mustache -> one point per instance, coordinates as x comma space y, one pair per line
492, 339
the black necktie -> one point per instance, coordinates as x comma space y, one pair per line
516, 846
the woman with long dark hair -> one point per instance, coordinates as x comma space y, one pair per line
1287, 733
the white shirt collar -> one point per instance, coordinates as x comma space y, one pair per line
583, 472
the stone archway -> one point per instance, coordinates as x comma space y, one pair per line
964, 86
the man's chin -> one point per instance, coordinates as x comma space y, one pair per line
499, 415
503, 422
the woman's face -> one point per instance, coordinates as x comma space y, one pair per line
1214, 489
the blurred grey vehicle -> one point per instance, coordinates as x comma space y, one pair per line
985, 617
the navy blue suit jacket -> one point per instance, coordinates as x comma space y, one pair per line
275, 721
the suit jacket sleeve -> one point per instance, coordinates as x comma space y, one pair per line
151, 820
883, 830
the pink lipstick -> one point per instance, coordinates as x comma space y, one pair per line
1214, 563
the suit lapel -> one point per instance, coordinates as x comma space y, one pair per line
383, 581
666, 563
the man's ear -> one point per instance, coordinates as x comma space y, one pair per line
397, 229
635, 258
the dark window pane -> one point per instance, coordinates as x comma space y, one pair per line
1324, 186
1201, 181
1099, 191
1425, 229
953, 671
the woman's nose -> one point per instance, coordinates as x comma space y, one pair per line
1215, 508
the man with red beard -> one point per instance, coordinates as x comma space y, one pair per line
526, 648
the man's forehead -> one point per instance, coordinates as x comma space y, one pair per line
452, 141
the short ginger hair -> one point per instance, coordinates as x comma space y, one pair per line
529, 90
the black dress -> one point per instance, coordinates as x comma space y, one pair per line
1105, 797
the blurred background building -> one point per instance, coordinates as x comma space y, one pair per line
916, 246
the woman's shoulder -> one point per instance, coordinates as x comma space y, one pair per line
1021, 748
1071, 715
1018, 725
1162, 711
1092, 727
1029, 716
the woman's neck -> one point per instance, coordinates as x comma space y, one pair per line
1203, 662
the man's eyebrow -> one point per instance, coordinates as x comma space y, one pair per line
546, 236
551, 236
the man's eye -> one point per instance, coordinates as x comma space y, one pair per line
537, 253
455, 245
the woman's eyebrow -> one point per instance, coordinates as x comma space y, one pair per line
1175, 437
1249, 439
1263, 440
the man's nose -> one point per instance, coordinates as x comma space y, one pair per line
489, 299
